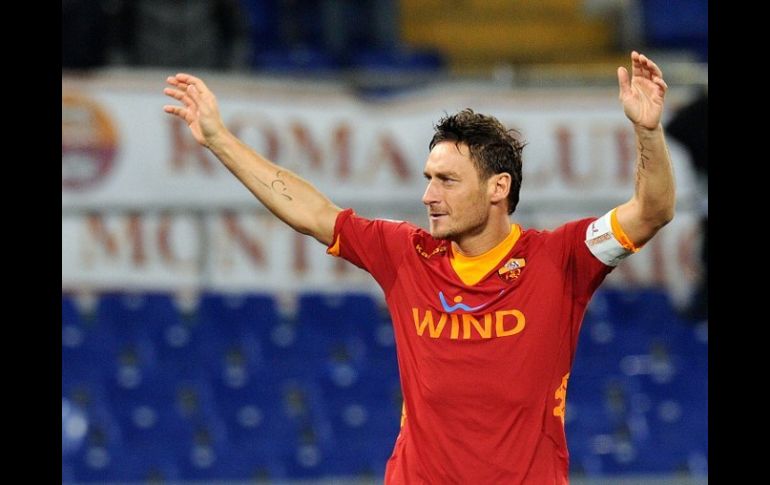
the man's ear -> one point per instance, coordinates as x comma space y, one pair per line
499, 186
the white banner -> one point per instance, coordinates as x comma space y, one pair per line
253, 251
119, 149
145, 207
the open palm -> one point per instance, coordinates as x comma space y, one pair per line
642, 92
199, 106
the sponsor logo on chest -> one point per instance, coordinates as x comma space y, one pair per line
472, 323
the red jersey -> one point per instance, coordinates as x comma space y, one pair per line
483, 367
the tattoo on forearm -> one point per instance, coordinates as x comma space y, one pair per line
642, 155
277, 186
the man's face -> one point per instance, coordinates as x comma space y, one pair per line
457, 200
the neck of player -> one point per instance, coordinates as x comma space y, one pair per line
490, 235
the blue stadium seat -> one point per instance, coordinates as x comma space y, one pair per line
183, 347
100, 457
337, 327
649, 304
259, 462
308, 462
150, 463
677, 25
356, 384
233, 321
318, 395
296, 349
694, 347
589, 421
70, 314
365, 416
404, 60
200, 456
239, 309
657, 457
91, 363
100, 465
263, 20
67, 472
363, 460
229, 346
297, 60
251, 410
147, 421
137, 314
364, 431
88, 345
161, 407
350, 311
85, 392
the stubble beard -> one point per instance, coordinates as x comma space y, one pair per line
441, 236
455, 234
446, 233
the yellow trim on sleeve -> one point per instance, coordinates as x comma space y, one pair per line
619, 234
335, 249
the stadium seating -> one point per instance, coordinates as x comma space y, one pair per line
677, 25
234, 388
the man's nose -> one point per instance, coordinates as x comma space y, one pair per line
431, 194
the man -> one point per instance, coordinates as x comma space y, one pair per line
485, 314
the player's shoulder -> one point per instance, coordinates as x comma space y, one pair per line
400, 230
397, 225
383, 224
569, 226
567, 231
530, 235
426, 245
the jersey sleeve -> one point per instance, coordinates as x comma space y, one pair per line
607, 241
589, 249
374, 245
584, 271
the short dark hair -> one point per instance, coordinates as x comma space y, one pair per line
494, 149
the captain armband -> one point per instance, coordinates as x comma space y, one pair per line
607, 241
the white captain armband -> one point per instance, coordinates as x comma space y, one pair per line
607, 241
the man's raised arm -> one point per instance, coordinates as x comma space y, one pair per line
652, 205
292, 199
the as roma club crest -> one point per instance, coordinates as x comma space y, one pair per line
511, 269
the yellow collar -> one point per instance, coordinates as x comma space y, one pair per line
471, 269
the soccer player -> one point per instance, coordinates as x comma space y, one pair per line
485, 313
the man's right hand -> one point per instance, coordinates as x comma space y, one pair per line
287, 195
199, 107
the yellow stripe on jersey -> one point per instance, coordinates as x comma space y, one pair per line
471, 269
619, 234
